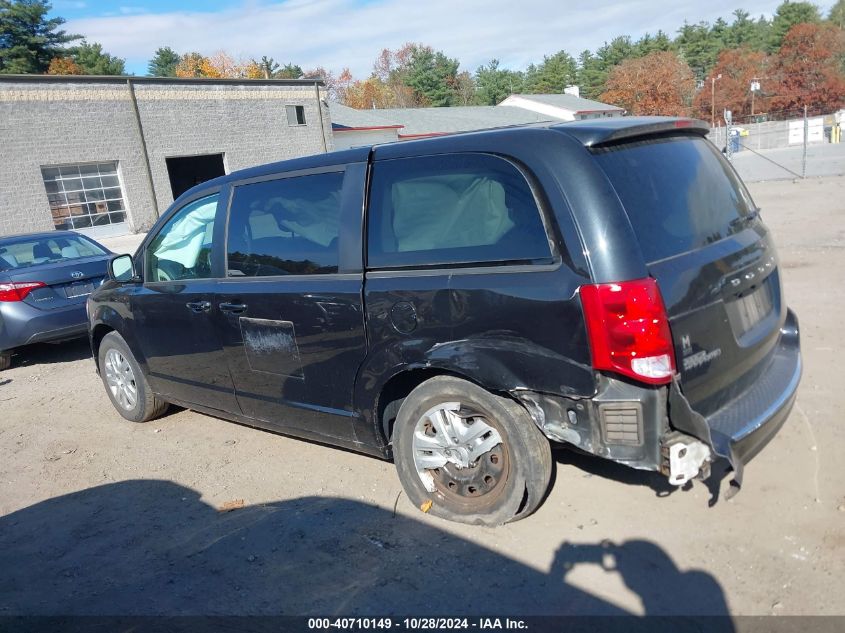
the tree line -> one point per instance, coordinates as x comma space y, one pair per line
794, 59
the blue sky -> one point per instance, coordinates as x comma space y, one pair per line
339, 33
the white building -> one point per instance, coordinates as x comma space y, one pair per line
564, 107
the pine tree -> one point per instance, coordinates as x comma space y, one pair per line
552, 75
837, 14
164, 63
93, 61
29, 40
789, 14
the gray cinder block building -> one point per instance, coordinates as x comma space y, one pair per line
107, 155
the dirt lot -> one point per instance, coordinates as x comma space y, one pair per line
101, 516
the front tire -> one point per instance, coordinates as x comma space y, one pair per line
477, 457
5, 360
125, 383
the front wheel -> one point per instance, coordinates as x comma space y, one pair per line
5, 360
477, 457
125, 383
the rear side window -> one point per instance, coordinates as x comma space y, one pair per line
287, 226
679, 193
452, 209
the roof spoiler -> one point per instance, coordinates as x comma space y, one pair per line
622, 129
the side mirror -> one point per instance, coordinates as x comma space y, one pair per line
122, 268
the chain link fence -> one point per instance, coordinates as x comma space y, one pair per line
793, 148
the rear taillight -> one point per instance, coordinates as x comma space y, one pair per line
628, 330
17, 290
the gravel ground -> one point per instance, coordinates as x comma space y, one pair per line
101, 516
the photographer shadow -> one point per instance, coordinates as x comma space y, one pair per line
154, 547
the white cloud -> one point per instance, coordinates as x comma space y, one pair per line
338, 33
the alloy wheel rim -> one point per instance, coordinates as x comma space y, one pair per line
460, 454
121, 380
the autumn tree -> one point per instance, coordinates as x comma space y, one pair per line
369, 93
659, 83
220, 65
464, 89
809, 71
227, 66
343, 83
29, 40
192, 65
64, 66
391, 69
329, 81
738, 67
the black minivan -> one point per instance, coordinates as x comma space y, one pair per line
457, 303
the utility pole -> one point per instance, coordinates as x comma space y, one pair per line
755, 88
713, 100
728, 129
804, 155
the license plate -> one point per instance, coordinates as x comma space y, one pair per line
79, 290
748, 311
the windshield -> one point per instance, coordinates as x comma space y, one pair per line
23, 253
679, 194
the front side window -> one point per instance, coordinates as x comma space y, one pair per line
182, 249
452, 210
83, 196
287, 226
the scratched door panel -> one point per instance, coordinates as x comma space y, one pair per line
270, 347
295, 350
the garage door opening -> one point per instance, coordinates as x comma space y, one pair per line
187, 171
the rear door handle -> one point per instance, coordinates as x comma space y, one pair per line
199, 306
232, 307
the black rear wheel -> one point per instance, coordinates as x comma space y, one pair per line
477, 457
5, 360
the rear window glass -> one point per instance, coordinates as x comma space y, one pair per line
24, 253
679, 193
452, 209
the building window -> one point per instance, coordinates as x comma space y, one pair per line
296, 114
83, 196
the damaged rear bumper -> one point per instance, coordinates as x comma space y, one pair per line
743, 426
650, 427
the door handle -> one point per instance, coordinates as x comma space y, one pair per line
199, 306
232, 307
